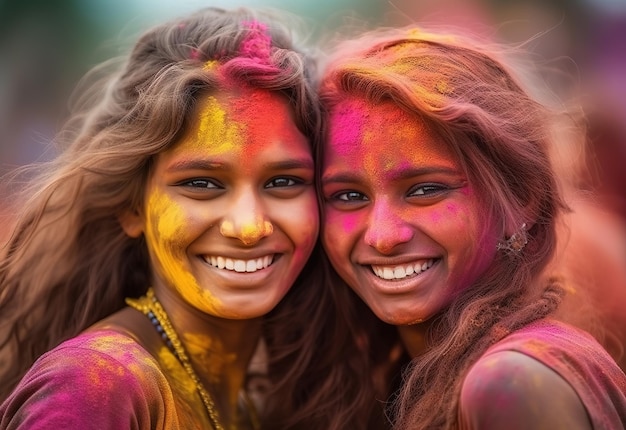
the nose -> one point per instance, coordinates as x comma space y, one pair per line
246, 220
386, 228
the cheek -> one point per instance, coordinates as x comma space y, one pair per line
340, 234
165, 235
302, 222
341, 223
165, 223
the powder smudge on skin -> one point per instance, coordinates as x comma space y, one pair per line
243, 109
215, 128
165, 227
210, 351
347, 128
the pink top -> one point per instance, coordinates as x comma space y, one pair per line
588, 375
98, 380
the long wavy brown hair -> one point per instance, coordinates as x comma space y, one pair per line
502, 135
69, 264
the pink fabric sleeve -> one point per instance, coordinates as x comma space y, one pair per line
101, 380
577, 358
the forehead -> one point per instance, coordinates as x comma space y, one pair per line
381, 136
238, 120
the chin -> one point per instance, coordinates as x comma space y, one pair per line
247, 309
399, 316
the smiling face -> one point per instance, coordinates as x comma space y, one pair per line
230, 214
403, 225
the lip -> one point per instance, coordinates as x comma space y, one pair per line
399, 286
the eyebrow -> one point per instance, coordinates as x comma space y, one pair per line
202, 164
349, 177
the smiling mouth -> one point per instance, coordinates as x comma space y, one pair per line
241, 266
402, 271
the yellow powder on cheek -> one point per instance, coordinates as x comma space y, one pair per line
165, 234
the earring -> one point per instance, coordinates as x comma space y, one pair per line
516, 242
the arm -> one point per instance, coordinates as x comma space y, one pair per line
511, 390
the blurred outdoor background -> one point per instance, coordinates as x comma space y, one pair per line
46, 45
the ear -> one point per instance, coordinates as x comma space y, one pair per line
132, 223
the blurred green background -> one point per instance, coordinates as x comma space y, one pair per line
46, 45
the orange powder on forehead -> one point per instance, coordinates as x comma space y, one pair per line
389, 135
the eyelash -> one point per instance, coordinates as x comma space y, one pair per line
427, 190
290, 182
338, 196
421, 190
201, 183
205, 183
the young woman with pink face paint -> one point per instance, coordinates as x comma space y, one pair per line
440, 213
173, 237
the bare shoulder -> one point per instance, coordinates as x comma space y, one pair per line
511, 390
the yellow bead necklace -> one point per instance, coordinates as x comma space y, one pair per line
150, 306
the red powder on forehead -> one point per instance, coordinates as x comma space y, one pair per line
254, 103
257, 104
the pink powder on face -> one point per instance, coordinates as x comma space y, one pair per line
347, 127
452, 208
349, 223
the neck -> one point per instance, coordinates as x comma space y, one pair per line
220, 350
414, 338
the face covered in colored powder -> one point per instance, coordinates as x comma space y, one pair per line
231, 213
403, 225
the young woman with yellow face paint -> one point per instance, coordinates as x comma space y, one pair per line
441, 209
174, 237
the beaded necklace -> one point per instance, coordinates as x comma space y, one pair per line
150, 306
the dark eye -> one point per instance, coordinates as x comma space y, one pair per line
350, 196
282, 182
427, 190
200, 183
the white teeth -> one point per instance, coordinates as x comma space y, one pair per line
240, 265
401, 272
